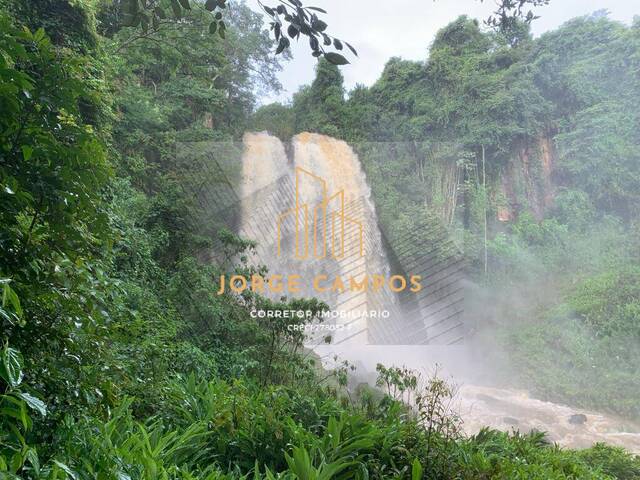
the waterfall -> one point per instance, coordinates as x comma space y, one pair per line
320, 167
309, 207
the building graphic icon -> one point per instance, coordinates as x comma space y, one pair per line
322, 227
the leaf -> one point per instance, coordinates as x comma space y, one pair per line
185, 4
221, 28
27, 151
32, 457
34, 403
313, 43
353, 50
15, 407
213, 26
335, 58
317, 9
337, 43
319, 25
218, 16
284, 43
16, 462
66, 469
210, 5
160, 13
8, 316
292, 31
416, 470
11, 366
9, 297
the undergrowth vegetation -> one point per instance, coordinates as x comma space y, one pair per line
118, 361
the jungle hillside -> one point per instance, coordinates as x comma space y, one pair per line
119, 361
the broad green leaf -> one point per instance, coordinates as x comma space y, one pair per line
32, 457
66, 469
34, 403
9, 297
27, 151
416, 470
11, 366
15, 407
16, 462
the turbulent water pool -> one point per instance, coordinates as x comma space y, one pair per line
506, 409
480, 405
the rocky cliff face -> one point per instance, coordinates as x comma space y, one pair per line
526, 182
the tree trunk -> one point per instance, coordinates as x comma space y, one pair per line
484, 202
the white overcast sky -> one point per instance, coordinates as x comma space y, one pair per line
405, 28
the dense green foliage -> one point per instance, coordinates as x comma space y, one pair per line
118, 361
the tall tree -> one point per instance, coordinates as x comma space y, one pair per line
321, 107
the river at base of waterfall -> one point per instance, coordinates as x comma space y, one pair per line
480, 402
